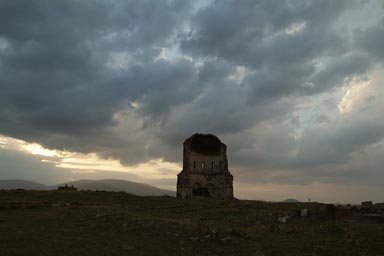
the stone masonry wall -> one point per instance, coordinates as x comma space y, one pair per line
205, 172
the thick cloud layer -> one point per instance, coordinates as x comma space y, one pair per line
293, 88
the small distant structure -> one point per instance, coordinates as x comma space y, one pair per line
366, 204
66, 188
205, 169
367, 207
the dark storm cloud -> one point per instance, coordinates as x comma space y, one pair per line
163, 84
369, 40
339, 68
325, 145
250, 32
132, 79
54, 77
283, 41
342, 150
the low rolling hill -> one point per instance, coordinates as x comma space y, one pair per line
22, 184
134, 188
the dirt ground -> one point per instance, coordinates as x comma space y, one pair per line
115, 223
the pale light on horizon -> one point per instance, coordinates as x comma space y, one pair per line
92, 162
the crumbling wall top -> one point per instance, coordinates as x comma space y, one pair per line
205, 144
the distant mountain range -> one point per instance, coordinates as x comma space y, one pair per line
134, 188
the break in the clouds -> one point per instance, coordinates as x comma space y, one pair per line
293, 88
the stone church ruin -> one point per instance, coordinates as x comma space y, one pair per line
205, 169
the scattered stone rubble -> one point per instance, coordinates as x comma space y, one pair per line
366, 211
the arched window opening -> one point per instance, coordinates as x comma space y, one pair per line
213, 165
202, 165
220, 164
198, 190
194, 164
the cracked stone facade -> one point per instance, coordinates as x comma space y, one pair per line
205, 169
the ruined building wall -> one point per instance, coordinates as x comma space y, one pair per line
205, 169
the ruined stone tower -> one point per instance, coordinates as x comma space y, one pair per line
205, 169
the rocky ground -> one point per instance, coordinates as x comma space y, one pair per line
111, 223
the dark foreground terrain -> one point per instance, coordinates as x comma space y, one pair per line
111, 223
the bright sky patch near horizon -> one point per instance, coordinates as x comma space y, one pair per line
111, 89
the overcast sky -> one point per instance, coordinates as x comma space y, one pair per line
111, 89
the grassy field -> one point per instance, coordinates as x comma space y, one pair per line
111, 223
